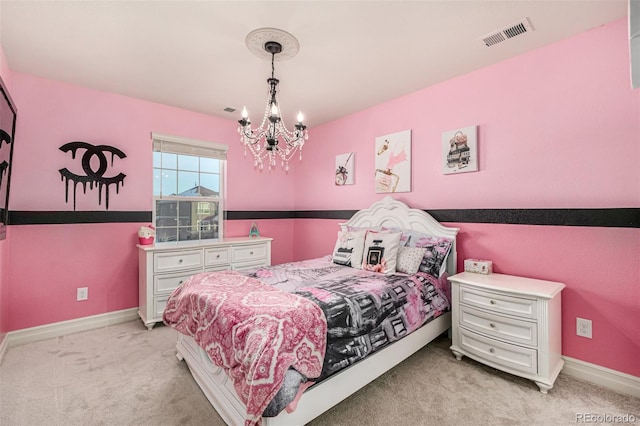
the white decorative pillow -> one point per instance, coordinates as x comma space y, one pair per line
349, 248
381, 251
409, 259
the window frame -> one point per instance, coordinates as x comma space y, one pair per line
194, 147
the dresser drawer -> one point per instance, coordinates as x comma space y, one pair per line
164, 284
510, 329
498, 303
217, 256
249, 253
177, 260
498, 353
248, 265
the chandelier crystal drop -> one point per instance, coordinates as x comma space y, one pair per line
272, 142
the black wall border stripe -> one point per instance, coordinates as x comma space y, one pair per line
258, 214
62, 217
614, 217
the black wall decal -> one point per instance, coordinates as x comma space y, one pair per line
4, 165
91, 177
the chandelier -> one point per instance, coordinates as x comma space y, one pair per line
272, 141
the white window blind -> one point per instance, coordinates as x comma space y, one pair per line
179, 145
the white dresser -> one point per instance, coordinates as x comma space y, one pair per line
509, 323
162, 268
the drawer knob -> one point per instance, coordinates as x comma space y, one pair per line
179, 260
492, 350
181, 281
218, 256
492, 325
493, 302
251, 253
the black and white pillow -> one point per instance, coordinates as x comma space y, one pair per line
381, 251
349, 248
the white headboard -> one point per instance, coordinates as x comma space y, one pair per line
392, 213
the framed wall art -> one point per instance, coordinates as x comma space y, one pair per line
7, 131
393, 162
460, 150
345, 169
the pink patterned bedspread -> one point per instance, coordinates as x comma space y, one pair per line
252, 330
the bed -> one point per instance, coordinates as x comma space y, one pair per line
383, 216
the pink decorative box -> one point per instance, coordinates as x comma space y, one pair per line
478, 266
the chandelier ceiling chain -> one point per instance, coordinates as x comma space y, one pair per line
272, 140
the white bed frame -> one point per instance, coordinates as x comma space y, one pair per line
321, 397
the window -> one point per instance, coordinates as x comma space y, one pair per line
187, 188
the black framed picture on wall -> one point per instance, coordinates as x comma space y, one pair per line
8, 116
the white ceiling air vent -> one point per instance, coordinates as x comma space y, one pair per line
523, 26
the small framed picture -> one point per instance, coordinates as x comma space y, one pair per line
460, 150
393, 162
345, 169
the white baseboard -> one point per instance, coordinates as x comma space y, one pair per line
48, 331
4, 345
602, 376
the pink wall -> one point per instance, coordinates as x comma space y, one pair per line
49, 262
566, 113
281, 230
559, 127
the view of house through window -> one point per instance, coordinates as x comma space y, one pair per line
187, 188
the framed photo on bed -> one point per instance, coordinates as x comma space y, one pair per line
460, 150
7, 132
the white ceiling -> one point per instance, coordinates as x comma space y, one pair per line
353, 54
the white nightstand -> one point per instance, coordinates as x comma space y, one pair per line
509, 323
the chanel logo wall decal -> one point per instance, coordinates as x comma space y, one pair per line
94, 165
4, 165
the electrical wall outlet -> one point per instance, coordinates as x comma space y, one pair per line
583, 328
83, 293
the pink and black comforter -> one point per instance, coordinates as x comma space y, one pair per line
364, 311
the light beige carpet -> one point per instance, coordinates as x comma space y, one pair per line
127, 375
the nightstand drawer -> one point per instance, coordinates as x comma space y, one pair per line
217, 256
177, 260
164, 284
498, 353
249, 253
510, 329
159, 305
499, 303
